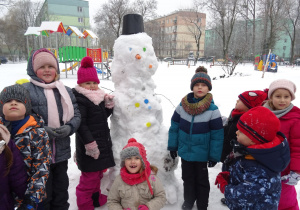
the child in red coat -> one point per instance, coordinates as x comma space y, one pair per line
281, 94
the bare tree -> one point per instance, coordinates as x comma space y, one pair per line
111, 15
146, 8
292, 9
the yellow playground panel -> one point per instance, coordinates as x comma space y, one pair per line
71, 67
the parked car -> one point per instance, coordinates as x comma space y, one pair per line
3, 60
168, 59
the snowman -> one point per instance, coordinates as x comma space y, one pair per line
138, 112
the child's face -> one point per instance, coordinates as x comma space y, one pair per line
14, 110
281, 98
89, 85
47, 73
200, 90
243, 139
241, 106
133, 164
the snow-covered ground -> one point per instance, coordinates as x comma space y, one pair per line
173, 82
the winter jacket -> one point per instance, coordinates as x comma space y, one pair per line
230, 130
60, 146
13, 183
93, 127
122, 196
290, 127
197, 137
255, 181
33, 142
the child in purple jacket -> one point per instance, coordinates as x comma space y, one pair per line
13, 177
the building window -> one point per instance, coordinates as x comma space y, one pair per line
80, 20
284, 47
79, 9
285, 40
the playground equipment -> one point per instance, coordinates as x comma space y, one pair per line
71, 67
261, 61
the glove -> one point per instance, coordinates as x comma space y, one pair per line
143, 207
222, 180
91, 149
173, 154
63, 131
211, 164
109, 101
291, 179
51, 132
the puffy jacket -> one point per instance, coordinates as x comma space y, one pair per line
255, 181
197, 137
290, 127
33, 143
122, 196
93, 127
15, 182
61, 147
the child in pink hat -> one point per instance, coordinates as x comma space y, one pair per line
93, 142
281, 94
137, 187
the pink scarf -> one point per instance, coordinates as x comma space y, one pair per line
95, 96
53, 115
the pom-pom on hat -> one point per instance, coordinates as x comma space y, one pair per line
201, 77
133, 148
16, 92
259, 124
253, 98
282, 83
201, 69
87, 72
42, 57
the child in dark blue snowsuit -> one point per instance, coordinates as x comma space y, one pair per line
253, 182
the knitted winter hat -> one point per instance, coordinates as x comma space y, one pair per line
282, 83
253, 98
87, 72
201, 77
259, 124
17, 92
42, 57
133, 148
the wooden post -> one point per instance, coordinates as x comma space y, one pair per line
266, 64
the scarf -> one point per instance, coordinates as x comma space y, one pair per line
53, 115
95, 96
198, 107
280, 113
16, 125
138, 178
236, 112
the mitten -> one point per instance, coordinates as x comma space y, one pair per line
91, 149
173, 154
211, 164
51, 132
109, 101
143, 207
222, 180
291, 179
63, 131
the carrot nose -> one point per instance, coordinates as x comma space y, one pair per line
138, 56
150, 66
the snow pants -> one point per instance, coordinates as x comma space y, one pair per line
88, 191
288, 198
195, 183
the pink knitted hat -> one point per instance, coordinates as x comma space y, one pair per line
284, 84
87, 72
43, 57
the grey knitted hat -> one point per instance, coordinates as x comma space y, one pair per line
16, 92
201, 77
133, 148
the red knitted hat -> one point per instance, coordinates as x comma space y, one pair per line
259, 124
133, 148
87, 72
253, 98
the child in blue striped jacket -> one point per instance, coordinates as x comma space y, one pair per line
196, 132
